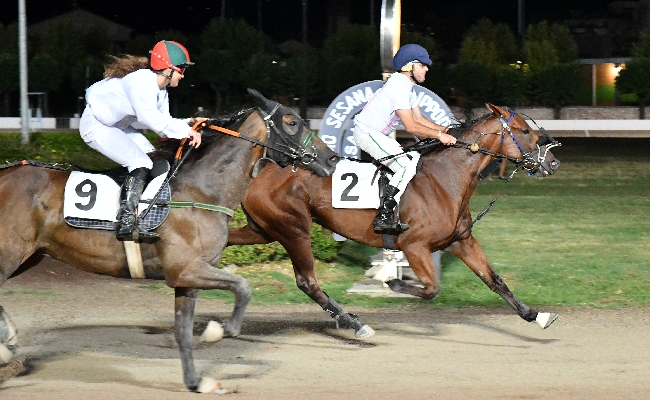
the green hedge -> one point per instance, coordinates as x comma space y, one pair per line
324, 246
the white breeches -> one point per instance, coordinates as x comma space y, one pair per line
379, 146
126, 146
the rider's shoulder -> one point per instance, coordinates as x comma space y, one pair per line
399, 80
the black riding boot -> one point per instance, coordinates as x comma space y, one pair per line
126, 226
384, 221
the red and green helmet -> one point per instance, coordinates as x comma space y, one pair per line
169, 54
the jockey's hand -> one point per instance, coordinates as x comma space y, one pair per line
447, 139
195, 138
195, 121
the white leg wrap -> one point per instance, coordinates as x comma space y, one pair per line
10, 332
5, 354
209, 385
212, 333
365, 332
544, 319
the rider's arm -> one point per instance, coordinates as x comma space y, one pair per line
419, 126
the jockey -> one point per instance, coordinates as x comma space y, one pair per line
395, 102
135, 89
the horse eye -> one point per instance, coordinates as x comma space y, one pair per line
293, 123
526, 131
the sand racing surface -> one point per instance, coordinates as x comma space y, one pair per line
83, 336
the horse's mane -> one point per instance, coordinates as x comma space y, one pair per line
462, 126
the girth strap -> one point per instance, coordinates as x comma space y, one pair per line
202, 206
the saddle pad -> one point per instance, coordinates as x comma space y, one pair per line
351, 186
92, 201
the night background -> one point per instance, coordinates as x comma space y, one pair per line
281, 19
259, 43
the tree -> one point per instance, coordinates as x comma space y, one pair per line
9, 79
510, 85
262, 72
45, 75
473, 81
558, 85
635, 79
352, 57
226, 46
63, 43
493, 45
486, 59
547, 44
438, 79
550, 54
642, 47
9, 38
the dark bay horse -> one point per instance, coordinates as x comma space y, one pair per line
191, 240
282, 205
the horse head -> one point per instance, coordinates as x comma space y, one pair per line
301, 146
508, 135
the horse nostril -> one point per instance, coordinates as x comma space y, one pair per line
334, 159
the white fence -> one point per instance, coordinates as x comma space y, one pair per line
555, 127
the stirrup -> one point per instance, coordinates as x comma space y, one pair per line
139, 233
390, 226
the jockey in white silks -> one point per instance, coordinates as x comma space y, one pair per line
396, 102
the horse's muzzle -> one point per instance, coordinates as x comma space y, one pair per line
549, 166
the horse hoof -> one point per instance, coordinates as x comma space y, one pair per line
209, 385
364, 332
544, 319
212, 333
5, 354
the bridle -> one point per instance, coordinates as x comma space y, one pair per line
528, 161
298, 155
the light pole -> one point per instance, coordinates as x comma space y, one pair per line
303, 96
22, 50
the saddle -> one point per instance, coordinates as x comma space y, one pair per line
91, 198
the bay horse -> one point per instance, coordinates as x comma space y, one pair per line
191, 240
282, 205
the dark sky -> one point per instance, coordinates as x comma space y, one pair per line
282, 18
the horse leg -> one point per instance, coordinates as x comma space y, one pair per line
419, 258
8, 331
184, 302
470, 252
302, 258
8, 337
201, 275
246, 235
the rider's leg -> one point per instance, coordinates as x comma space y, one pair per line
128, 148
126, 225
404, 166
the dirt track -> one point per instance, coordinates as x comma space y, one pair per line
85, 336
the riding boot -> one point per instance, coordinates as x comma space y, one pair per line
126, 226
384, 221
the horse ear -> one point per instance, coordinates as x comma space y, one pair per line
498, 111
260, 100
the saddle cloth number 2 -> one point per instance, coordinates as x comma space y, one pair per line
351, 186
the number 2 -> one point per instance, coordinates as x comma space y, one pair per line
91, 193
345, 195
